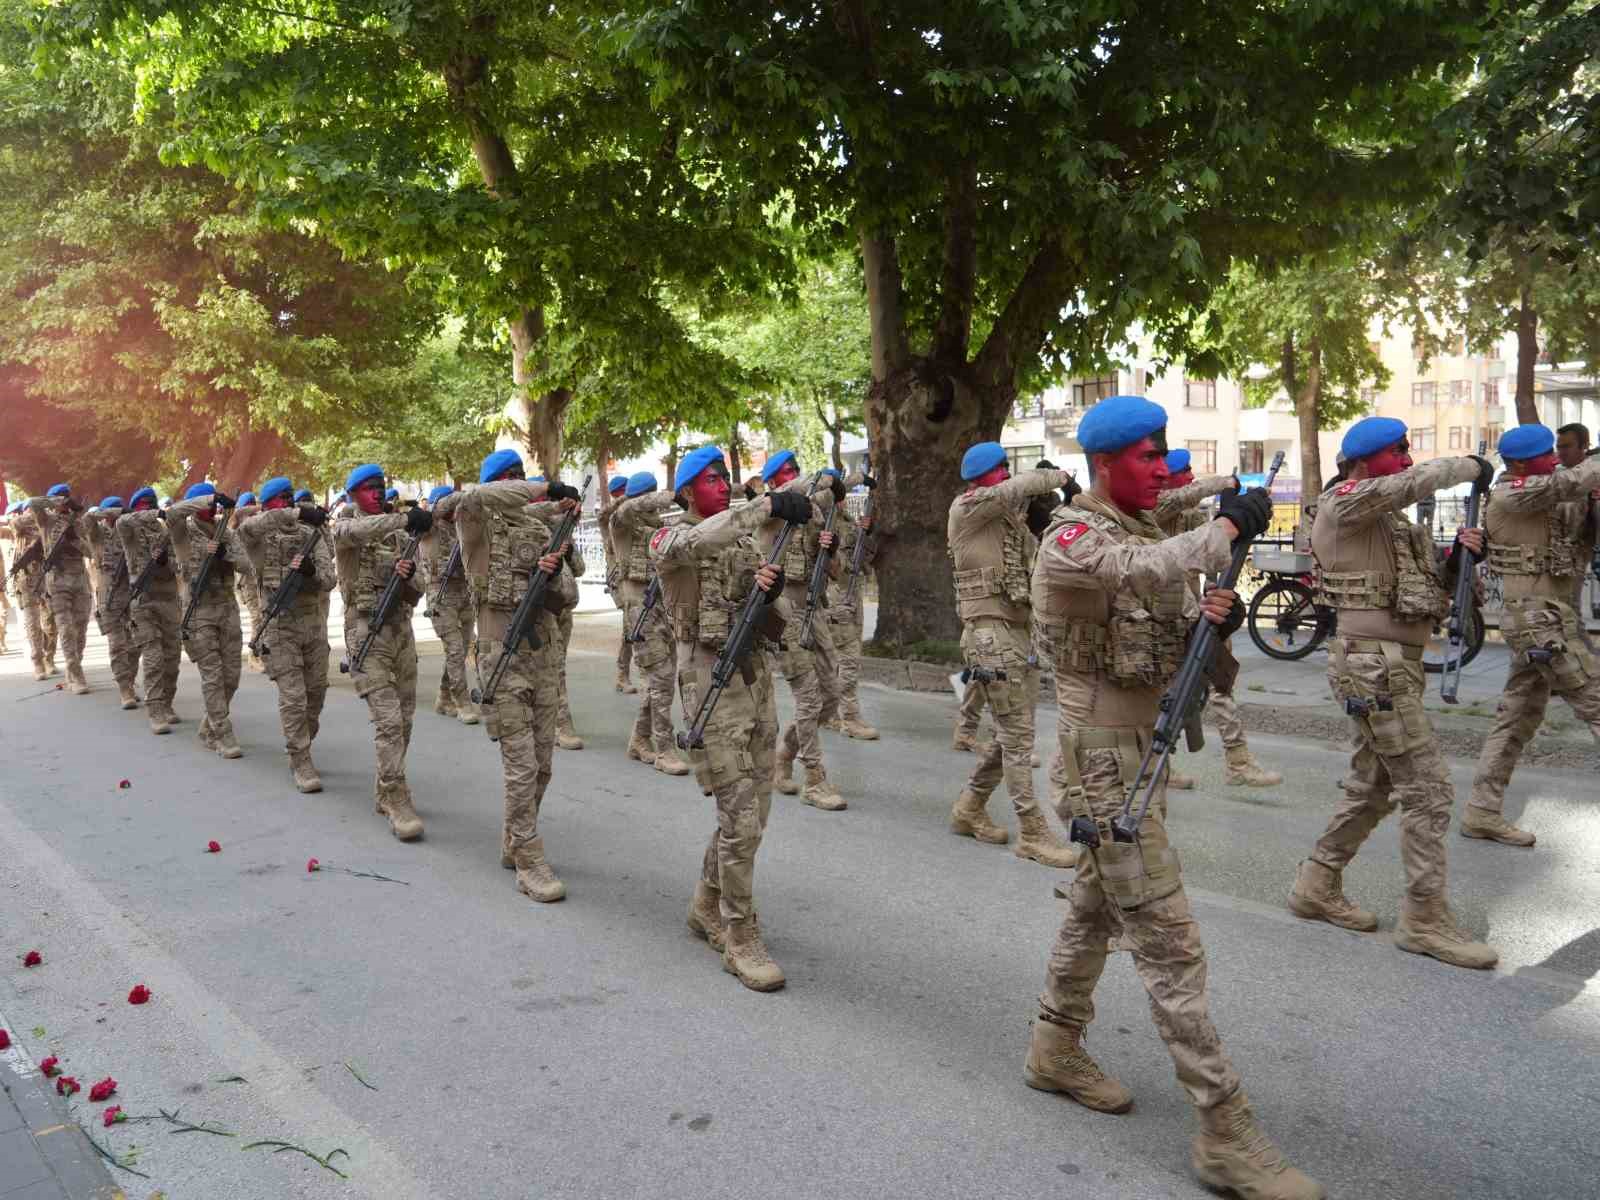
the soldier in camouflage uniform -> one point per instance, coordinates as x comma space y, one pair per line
504, 539
1110, 592
1572, 448
66, 581
1382, 574
993, 552
154, 616
111, 596
38, 622
1539, 518
213, 636
708, 563
369, 549
566, 733
295, 646
616, 493
845, 622
641, 512
244, 583
1177, 512
450, 611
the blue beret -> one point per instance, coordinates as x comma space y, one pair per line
539, 479
981, 459
247, 498
196, 490
144, 493
641, 482
616, 483
775, 464
694, 462
497, 464
439, 493
362, 474
60, 489
391, 494
834, 471
1178, 461
1371, 434
108, 502
1118, 422
273, 488
1527, 441
303, 495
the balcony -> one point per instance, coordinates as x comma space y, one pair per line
1268, 425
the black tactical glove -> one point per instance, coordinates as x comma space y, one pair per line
225, 500
1251, 512
313, 514
563, 491
791, 507
869, 481
1069, 490
750, 492
420, 520
1485, 472
837, 486
308, 568
1236, 616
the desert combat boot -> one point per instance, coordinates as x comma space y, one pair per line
1485, 823
1233, 1154
1427, 927
1318, 895
1057, 1062
1036, 840
535, 878
745, 955
970, 818
705, 916
1245, 771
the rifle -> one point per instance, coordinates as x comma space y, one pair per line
201, 581
452, 568
817, 588
157, 559
381, 614
1180, 703
1461, 602
652, 595
735, 651
23, 561
523, 620
117, 578
288, 589
858, 555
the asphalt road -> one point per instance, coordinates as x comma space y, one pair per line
595, 1049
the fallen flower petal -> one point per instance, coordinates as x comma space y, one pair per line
139, 994
32, 958
113, 1115
126, 783
312, 864
102, 1090
5, 1040
49, 1066
213, 847
66, 1085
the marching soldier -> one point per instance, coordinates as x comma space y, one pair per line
639, 515
112, 596
1178, 512
1111, 593
1572, 448
154, 615
503, 545
295, 646
244, 586
449, 609
214, 635
707, 564
812, 672
993, 553
369, 543
616, 493
38, 622
566, 733
66, 580
1382, 574
845, 623
1540, 524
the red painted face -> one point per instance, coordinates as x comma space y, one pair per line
281, 500
207, 515
993, 476
1136, 475
369, 496
783, 475
1545, 464
1391, 460
709, 490
1182, 479
144, 504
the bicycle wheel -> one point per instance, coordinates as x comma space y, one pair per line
1433, 653
1284, 622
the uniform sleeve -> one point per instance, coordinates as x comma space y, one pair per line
131, 528
988, 503
1539, 493
1360, 502
688, 543
507, 495
641, 513
574, 557
353, 532
1080, 556
1186, 497
446, 508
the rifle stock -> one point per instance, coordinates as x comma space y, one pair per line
652, 596
1461, 604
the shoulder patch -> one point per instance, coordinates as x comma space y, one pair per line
659, 536
1521, 481
1344, 489
1071, 534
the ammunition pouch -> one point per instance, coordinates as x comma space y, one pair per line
1131, 873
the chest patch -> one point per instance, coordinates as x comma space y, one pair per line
1070, 534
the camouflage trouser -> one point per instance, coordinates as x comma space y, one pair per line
388, 683
214, 645
1229, 724
970, 713
845, 626
997, 645
1159, 929
1396, 761
295, 652
1522, 704
813, 677
523, 719
119, 642
72, 602
737, 765
40, 624
624, 651
658, 666
453, 619
154, 625
564, 710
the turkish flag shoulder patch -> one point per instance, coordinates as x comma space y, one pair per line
658, 537
1071, 534
1519, 482
1345, 489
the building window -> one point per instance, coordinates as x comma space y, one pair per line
1202, 457
1027, 408
1369, 397
1491, 394
1460, 437
1492, 434
1252, 457
1421, 438
1091, 391
1424, 394
1199, 393
1461, 391
1022, 458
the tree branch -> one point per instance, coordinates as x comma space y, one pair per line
958, 279
890, 351
1034, 307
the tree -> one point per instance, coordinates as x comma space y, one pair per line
1025, 181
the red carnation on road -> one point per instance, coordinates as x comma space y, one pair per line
103, 1089
126, 783
213, 847
139, 994
32, 958
113, 1115
66, 1085
49, 1066
5, 1040
313, 864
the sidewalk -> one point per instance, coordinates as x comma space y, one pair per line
43, 1153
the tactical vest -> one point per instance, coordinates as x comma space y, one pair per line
1010, 579
1561, 555
1133, 639
277, 549
638, 564
110, 557
1413, 592
515, 548
220, 582
150, 541
703, 603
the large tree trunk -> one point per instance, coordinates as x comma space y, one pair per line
1308, 410
543, 415
247, 463
735, 459
1527, 358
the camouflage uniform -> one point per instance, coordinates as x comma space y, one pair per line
450, 610
1382, 573
1537, 526
706, 567
38, 622
845, 623
111, 601
5, 597
503, 536
215, 638
366, 549
66, 584
994, 553
566, 734
615, 568
295, 648
248, 594
155, 615
632, 523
